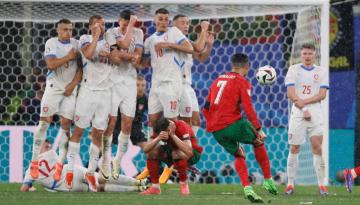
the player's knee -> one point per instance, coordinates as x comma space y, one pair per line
240, 152
179, 155
153, 154
317, 149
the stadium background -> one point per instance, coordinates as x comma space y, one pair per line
267, 40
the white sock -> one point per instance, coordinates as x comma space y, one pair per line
353, 173
94, 158
39, 138
319, 165
292, 165
106, 149
123, 180
195, 129
123, 141
63, 144
73, 150
119, 188
156, 185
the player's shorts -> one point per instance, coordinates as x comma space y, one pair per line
123, 96
55, 102
188, 101
93, 106
165, 97
241, 131
299, 129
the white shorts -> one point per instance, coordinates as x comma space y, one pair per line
93, 106
299, 129
79, 180
165, 97
188, 101
123, 96
55, 102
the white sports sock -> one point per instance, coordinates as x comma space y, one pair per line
292, 165
39, 138
319, 165
123, 141
119, 188
63, 145
106, 149
123, 180
195, 129
94, 158
353, 173
74, 149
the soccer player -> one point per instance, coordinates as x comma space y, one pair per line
48, 159
307, 85
162, 52
349, 176
137, 135
163, 47
129, 41
189, 106
93, 102
61, 54
224, 120
181, 149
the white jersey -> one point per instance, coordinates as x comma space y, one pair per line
54, 48
126, 70
47, 161
189, 61
307, 82
96, 71
169, 66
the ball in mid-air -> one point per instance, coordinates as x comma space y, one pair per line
266, 75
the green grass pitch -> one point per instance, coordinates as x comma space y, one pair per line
206, 194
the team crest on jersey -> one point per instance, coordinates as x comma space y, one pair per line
45, 109
316, 76
141, 107
187, 109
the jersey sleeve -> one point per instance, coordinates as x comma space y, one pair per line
139, 39
50, 49
324, 83
27, 178
177, 36
84, 40
76, 45
245, 93
290, 77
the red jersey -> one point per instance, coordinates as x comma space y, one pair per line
184, 132
222, 107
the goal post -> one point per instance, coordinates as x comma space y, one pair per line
270, 32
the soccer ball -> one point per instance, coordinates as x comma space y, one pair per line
266, 75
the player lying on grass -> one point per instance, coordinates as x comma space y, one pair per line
225, 121
48, 159
349, 176
180, 148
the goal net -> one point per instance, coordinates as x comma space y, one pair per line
270, 34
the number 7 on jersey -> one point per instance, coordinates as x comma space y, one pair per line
221, 84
